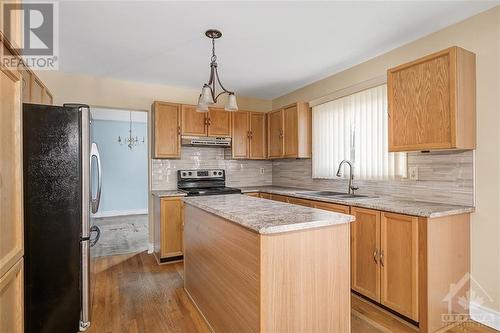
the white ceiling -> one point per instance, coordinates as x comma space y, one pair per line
268, 48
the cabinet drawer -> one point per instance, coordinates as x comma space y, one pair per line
302, 202
331, 207
278, 197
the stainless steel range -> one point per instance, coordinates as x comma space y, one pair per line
204, 182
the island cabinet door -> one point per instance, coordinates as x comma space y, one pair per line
365, 249
399, 263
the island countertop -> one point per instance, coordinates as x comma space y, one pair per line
266, 216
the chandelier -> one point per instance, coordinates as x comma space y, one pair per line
209, 94
130, 140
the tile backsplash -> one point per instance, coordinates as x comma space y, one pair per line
238, 172
445, 177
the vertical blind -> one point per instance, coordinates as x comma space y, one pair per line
355, 128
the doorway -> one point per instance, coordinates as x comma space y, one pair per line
121, 136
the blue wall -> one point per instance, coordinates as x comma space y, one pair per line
124, 171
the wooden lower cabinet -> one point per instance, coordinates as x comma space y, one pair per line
278, 197
12, 300
405, 263
168, 226
365, 252
301, 202
399, 263
331, 207
265, 195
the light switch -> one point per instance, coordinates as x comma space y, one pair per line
262, 171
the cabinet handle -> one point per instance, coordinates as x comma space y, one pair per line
179, 130
382, 258
375, 252
251, 135
209, 121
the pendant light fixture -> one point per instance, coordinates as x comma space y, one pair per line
209, 94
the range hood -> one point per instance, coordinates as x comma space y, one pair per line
205, 141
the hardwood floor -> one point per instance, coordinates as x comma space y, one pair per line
134, 294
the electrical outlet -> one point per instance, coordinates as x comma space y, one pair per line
413, 171
262, 171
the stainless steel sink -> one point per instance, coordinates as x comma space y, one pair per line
338, 195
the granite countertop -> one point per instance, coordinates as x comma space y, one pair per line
383, 203
170, 193
266, 216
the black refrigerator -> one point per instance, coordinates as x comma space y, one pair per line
62, 189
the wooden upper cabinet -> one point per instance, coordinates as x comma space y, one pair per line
36, 89
11, 188
297, 131
167, 130
241, 134
219, 122
258, 134
289, 132
275, 134
290, 127
399, 263
365, 247
432, 102
249, 135
193, 123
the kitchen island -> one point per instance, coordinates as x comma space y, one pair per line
255, 265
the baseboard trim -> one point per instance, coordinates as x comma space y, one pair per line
485, 316
112, 213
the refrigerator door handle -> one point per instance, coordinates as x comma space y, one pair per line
94, 152
93, 241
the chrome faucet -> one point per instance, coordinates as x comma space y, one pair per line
350, 186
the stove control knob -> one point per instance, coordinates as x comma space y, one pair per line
220, 173
183, 174
190, 173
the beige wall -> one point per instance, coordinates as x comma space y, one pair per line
479, 34
106, 92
